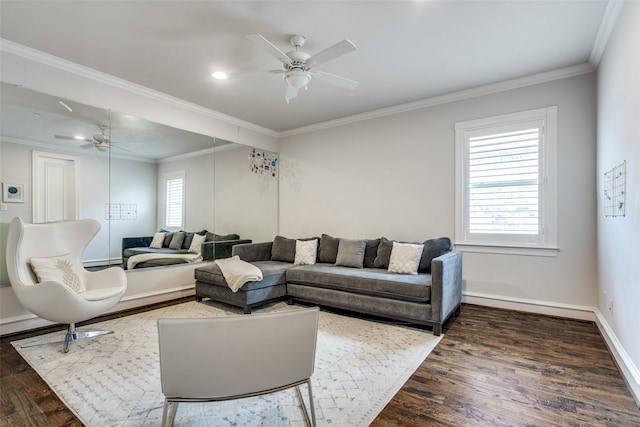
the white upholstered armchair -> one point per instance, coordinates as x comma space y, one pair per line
44, 264
223, 358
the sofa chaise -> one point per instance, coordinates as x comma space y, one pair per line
366, 278
215, 246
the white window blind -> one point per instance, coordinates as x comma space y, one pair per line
505, 181
174, 200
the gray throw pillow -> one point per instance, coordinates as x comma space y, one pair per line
370, 252
176, 240
188, 238
168, 235
351, 253
433, 248
383, 254
283, 249
328, 249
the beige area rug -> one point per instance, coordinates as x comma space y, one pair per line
114, 380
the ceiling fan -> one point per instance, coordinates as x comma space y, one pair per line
299, 66
100, 141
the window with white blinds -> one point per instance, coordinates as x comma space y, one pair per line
505, 192
174, 199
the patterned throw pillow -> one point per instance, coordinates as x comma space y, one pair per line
157, 241
405, 258
58, 269
306, 252
196, 243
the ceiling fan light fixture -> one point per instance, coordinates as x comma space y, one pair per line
298, 79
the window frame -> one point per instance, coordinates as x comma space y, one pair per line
541, 244
171, 176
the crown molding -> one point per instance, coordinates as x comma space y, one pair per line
609, 19
109, 80
548, 76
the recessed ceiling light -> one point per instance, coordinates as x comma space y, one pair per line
220, 75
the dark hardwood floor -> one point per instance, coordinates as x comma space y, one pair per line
493, 368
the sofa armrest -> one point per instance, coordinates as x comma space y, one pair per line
220, 249
446, 285
253, 252
136, 242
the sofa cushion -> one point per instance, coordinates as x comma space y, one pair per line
405, 258
168, 235
283, 249
306, 252
273, 273
370, 253
197, 240
176, 240
351, 253
157, 241
328, 249
433, 248
366, 281
383, 253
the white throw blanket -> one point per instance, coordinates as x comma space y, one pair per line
238, 272
137, 259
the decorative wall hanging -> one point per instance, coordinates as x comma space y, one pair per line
262, 162
615, 182
120, 211
12, 193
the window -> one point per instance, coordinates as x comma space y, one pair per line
505, 183
174, 199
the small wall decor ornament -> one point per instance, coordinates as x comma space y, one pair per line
12, 193
615, 183
262, 162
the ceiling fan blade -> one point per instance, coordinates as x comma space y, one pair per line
338, 49
272, 49
92, 145
72, 138
342, 82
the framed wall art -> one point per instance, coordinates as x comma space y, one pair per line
12, 193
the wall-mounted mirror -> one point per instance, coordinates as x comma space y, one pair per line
123, 170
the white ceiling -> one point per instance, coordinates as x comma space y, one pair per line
407, 50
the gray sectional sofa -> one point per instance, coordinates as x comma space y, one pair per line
366, 283
215, 246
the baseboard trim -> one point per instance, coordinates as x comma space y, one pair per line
630, 371
26, 322
570, 311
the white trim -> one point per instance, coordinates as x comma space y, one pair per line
604, 32
489, 89
508, 250
98, 76
630, 371
548, 308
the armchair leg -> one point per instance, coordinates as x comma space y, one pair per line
312, 421
169, 413
70, 336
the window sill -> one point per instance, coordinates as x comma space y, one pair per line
508, 250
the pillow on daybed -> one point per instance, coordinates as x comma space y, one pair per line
370, 253
405, 258
168, 235
306, 252
158, 240
351, 253
58, 269
176, 240
383, 253
196, 243
283, 249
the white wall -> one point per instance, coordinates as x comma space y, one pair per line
619, 237
245, 203
394, 176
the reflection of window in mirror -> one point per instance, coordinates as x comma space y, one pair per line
174, 197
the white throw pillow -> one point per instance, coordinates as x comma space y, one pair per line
306, 252
58, 269
405, 258
156, 243
196, 243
